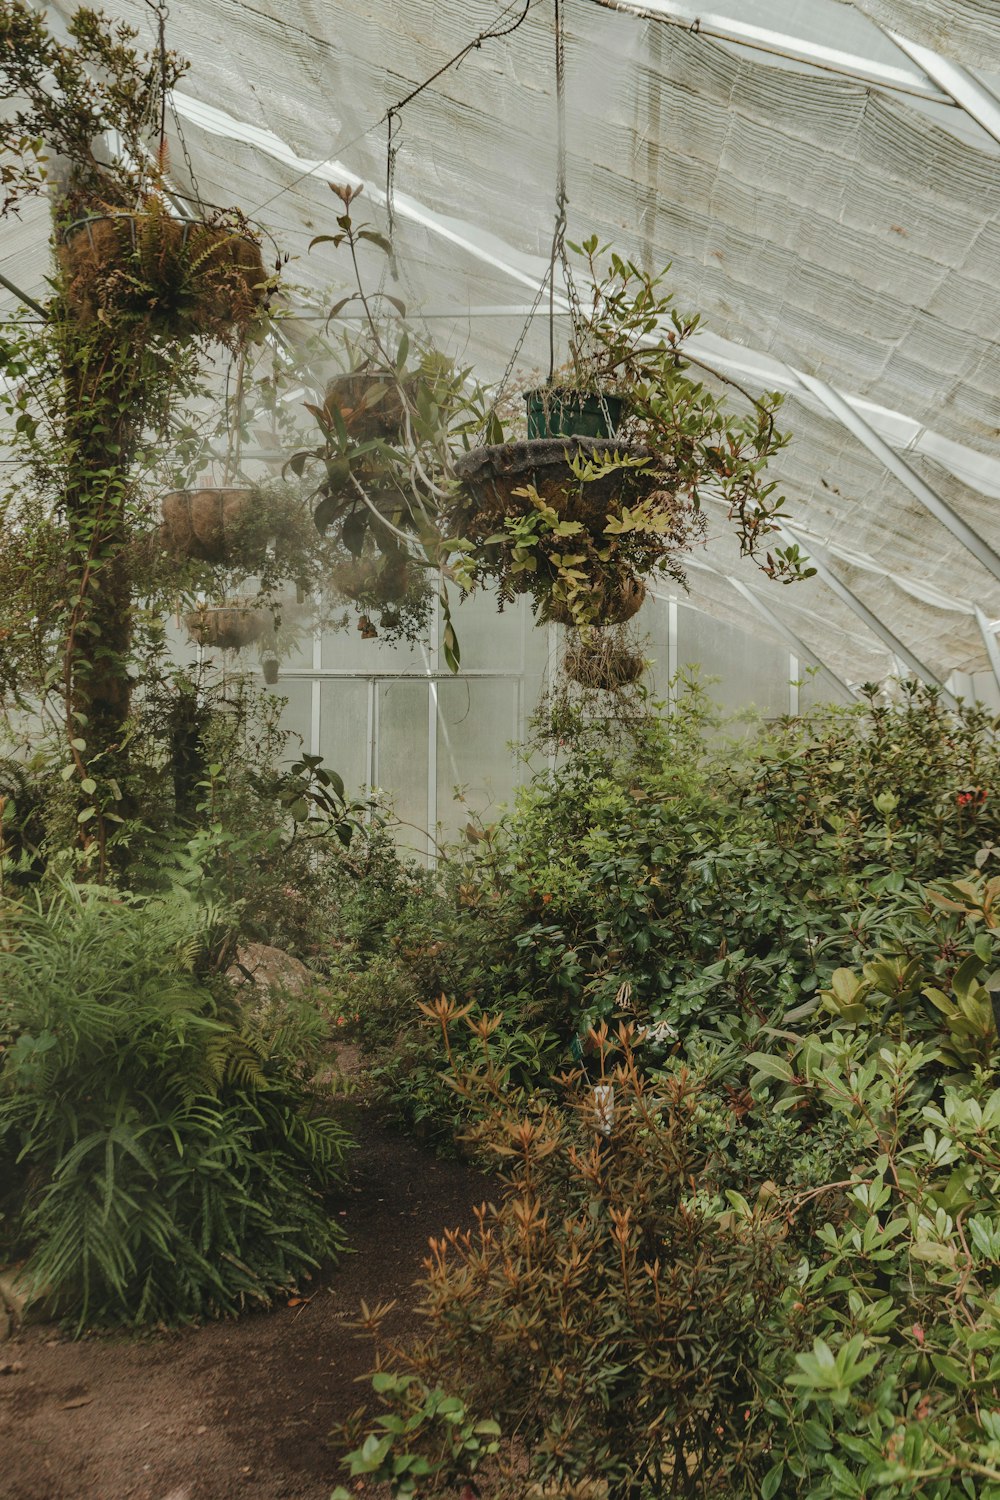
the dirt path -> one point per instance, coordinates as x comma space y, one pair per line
235, 1409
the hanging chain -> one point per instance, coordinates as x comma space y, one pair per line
389, 266
558, 250
515, 353
391, 152
185, 153
578, 323
161, 11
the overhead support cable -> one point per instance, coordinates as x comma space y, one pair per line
797, 645
965, 90
989, 636
836, 585
929, 498
724, 28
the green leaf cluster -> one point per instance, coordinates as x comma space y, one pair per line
161, 1160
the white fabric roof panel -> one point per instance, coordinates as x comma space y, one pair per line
814, 221
967, 30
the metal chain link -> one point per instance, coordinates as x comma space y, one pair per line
505, 377
185, 153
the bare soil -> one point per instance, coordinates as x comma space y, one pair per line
238, 1410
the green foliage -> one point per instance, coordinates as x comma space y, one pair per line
612, 515
68, 94
802, 939
164, 1162
598, 1309
450, 1443
896, 1377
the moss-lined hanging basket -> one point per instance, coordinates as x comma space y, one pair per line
230, 627
183, 278
210, 525
611, 598
576, 573
491, 478
606, 661
371, 403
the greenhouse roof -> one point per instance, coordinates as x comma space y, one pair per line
823, 176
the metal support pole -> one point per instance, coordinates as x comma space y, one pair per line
930, 499
797, 645
912, 663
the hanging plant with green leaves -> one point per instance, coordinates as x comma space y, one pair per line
391, 423
95, 376
605, 485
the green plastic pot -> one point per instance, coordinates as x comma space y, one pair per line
555, 411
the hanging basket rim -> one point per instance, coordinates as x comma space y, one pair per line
133, 214
209, 489
508, 460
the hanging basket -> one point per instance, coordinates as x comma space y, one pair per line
614, 598
491, 476
371, 403
269, 664
605, 662
230, 628
386, 580
210, 526
607, 589
183, 278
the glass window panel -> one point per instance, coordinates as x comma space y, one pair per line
651, 630
491, 641
296, 716
818, 688
347, 650
476, 723
401, 758
751, 673
344, 731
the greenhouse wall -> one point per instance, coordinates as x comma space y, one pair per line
443, 747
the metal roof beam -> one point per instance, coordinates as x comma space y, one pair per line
723, 28
930, 499
912, 663
989, 636
29, 301
787, 635
965, 90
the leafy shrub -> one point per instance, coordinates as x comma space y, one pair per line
714, 887
600, 1310
894, 1322
167, 1164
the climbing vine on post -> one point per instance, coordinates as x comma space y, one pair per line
94, 379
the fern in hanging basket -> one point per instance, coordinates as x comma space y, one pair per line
180, 278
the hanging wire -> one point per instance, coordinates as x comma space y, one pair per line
391, 152
491, 33
558, 253
559, 233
